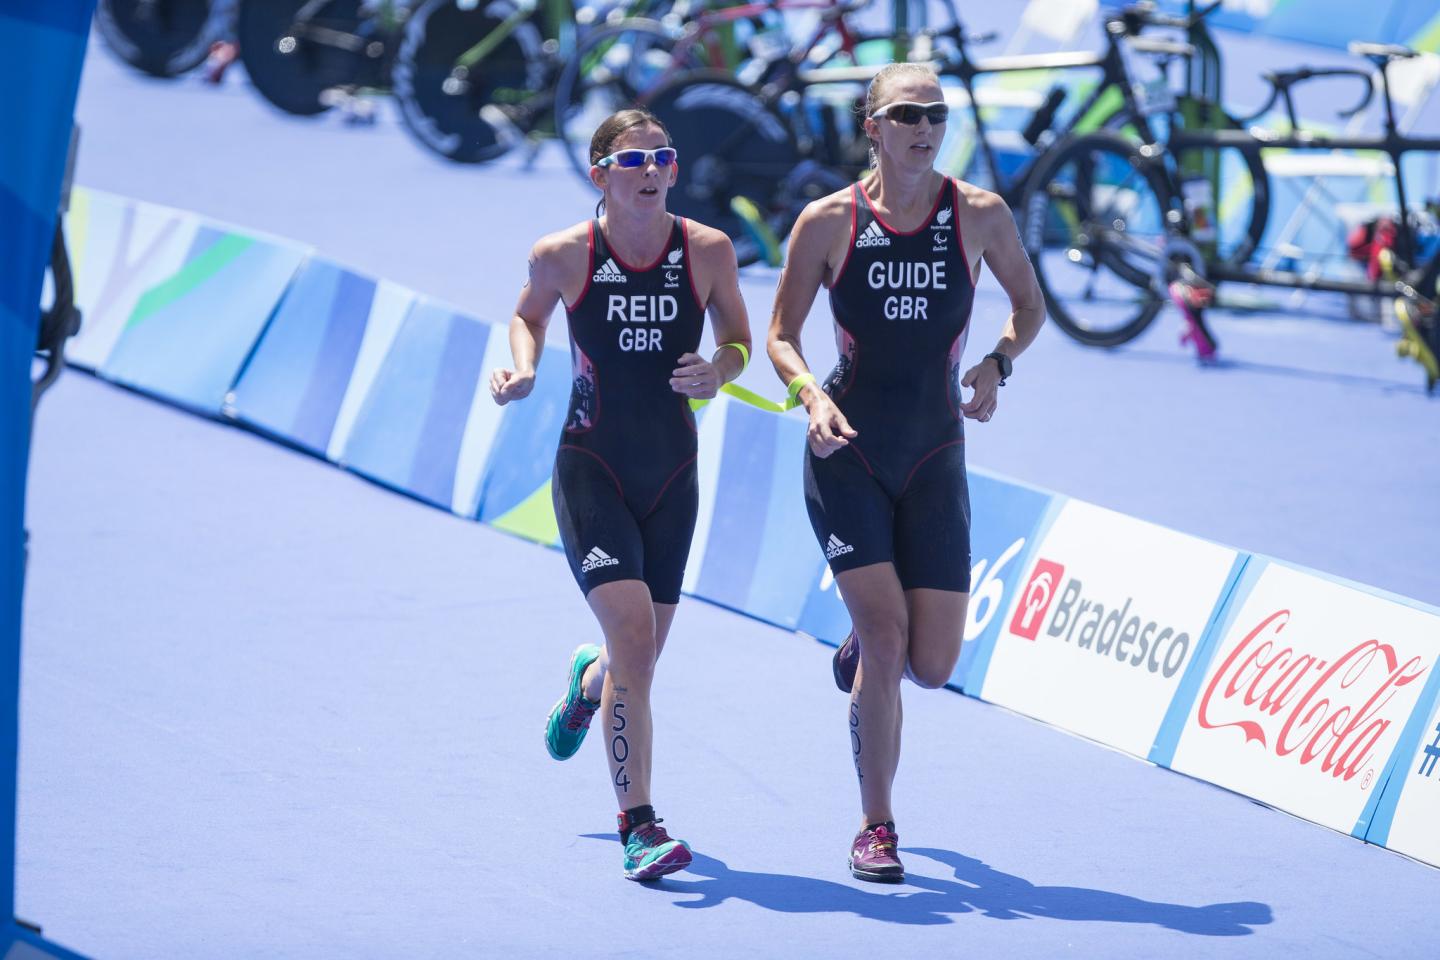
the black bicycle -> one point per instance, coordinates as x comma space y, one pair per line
1116, 232
772, 148
163, 38
306, 56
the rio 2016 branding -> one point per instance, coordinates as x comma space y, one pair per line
1086, 623
1302, 706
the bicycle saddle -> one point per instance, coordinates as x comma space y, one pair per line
1381, 51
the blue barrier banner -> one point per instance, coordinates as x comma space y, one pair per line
1005, 520
410, 430
309, 360
760, 556
515, 491
119, 250
188, 337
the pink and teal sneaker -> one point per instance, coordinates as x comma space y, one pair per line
569, 719
650, 853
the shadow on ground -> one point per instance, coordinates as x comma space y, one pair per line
974, 887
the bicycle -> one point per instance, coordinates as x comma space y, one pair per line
307, 56
1132, 239
1119, 102
628, 60
163, 38
475, 79
752, 182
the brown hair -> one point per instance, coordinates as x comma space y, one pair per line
874, 96
612, 128
616, 125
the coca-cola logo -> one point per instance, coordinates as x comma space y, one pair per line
1035, 599
1304, 706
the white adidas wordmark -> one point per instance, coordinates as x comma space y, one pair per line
596, 559
835, 547
872, 236
609, 273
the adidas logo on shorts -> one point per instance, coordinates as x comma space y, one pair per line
596, 559
872, 236
609, 273
835, 547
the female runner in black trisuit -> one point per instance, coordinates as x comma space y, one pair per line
885, 479
636, 284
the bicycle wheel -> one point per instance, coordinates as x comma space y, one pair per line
732, 147
164, 38
616, 66
1095, 229
293, 60
1242, 203
468, 112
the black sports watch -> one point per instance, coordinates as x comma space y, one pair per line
1003, 362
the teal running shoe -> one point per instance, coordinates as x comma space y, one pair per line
650, 853
569, 719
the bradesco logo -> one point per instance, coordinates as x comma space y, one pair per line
1036, 599
1089, 623
1302, 706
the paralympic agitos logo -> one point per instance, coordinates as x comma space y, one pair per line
1304, 706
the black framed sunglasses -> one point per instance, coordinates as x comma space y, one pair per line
630, 159
908, 112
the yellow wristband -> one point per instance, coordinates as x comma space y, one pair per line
798, 384
744, 353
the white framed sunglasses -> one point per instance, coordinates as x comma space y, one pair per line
908, 112
630, 159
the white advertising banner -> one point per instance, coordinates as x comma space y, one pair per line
1109, 614
1306, 693
1410, 823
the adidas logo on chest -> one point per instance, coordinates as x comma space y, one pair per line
610, 273
872, 236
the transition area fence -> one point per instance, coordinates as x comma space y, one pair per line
1313, 695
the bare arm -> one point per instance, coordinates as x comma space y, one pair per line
696, 377
805, 269
527, 326
1005, 255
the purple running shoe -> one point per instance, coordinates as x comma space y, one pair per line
873, 855
845, 662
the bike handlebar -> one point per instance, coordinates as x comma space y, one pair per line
1281, 82
1140, 15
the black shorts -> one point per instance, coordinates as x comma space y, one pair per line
607, 537
919, 519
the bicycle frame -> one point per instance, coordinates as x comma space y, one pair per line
1114, 77
1393, 144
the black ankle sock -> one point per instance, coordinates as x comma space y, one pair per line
634, 817
887, 824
